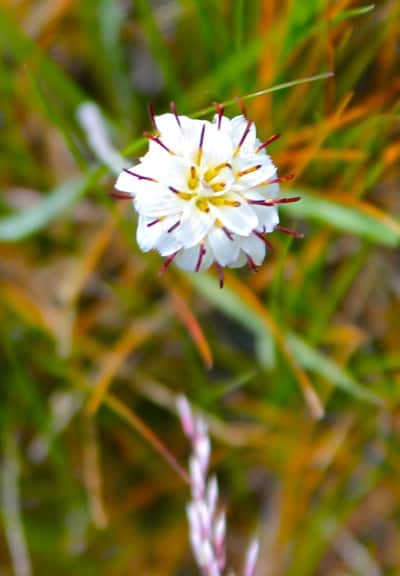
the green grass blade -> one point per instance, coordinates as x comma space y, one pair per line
27, 222
308, 357
276, 88
374, 225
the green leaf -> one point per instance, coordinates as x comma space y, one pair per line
374, 226
27, 222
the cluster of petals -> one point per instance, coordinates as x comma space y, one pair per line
206, 192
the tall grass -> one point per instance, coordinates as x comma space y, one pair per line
296, 367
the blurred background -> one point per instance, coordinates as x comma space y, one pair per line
296, 368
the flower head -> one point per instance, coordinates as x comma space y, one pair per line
206, 192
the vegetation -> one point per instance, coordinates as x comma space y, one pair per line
296, 368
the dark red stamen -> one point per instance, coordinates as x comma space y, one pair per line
153, 222
262, 237
202, 137
227, 233
174, 190
281, 179
139, 176
289, 232
152, 116
220, 272
121, 195
241, 105
175, 113
220, 111
245, 133
268, 142
174, 226
252, 264
274, 201
202, 252
157, 140
166, 263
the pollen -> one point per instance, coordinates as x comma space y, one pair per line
248, 170
213, 172
219, 186
202, 205
193, 180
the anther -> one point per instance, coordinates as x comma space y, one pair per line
193, 180
202, 205
233, 203
121, 195
166, 263
219, 201
220, 111
199, 153
248, 170
267, 142
175, 113
202, 252
243, 138
139, 176
157, 140
183, 195
213, 172
219, 186
289, 232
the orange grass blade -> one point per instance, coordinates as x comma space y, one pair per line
187, 317
130, 340
133, 420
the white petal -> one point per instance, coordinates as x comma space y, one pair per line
188, 259
168, 170
254, 247
267, 171
225, 124
217, 147
239, 219
127, 182
156, 235
194, 226
156, 200
268, 217
168, 244
270, 191
225, 250
170, 132
241, 261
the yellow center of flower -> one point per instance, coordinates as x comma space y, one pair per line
203, 188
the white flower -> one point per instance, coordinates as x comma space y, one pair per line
205, 192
